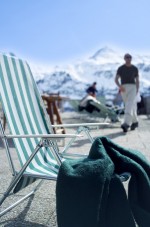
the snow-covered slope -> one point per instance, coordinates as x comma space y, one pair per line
72, 80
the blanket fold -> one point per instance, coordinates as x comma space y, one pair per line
89, 192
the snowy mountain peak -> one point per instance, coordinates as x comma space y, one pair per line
105, 51
107, 55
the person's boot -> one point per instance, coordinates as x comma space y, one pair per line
134, 125
125, 127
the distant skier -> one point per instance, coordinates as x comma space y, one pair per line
92, 90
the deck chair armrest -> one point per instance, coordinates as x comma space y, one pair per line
73, 155
41, 136
79, 125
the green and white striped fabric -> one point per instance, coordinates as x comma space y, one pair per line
22, 105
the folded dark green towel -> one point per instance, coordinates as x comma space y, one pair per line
89, 192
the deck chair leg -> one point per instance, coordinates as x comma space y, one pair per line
15, 204
6, 194
79, 130
87, 132
20, 200
17, 177
5, 142
71, 141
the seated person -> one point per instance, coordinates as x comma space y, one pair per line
85, 104
91, 104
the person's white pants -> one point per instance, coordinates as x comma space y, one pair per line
129, 98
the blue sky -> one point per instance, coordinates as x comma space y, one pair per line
56, 31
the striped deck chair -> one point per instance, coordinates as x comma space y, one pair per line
30, 128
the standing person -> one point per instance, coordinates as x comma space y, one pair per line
127, 79
92, 90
